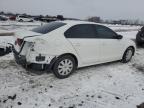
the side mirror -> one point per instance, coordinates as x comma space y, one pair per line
119, 36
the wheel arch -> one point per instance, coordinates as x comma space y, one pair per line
132, 48
75, 58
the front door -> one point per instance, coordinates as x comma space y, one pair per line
111, 46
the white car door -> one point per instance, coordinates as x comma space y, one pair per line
112, 47
83, 39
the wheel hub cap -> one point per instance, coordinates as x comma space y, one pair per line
129, 55
65, 67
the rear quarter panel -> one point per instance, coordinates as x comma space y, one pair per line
53, 44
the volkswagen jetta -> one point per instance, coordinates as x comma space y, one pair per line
64, 46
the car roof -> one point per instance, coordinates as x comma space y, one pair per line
74, 22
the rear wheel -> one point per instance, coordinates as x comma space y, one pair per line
128, 55
64, 67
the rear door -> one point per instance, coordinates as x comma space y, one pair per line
83, 39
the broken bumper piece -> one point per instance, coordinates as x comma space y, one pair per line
21, 60
5, 51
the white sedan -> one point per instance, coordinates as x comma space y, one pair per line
64, 46
23, 18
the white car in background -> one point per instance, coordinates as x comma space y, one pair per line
23, 18
64, 46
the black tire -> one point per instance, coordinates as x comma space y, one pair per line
63, 74
139, 36
125, 59
139, 44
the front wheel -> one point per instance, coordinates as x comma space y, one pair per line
128, 55
64, 66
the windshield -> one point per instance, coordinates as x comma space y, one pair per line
48, 27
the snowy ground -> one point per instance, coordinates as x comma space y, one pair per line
111, 85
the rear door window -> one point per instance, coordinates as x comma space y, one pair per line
48, 27
81, 31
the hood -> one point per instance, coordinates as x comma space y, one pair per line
25, 33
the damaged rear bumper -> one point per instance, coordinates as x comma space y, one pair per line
21, 60
18, 58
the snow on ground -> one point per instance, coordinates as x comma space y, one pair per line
111, 85
12, 26
9, 23
129, 34
3, 31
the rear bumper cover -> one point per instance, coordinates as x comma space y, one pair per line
21, 60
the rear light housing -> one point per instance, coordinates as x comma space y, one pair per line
19, 42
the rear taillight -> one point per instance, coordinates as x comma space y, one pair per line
19, 41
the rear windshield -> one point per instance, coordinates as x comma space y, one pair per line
48, 27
